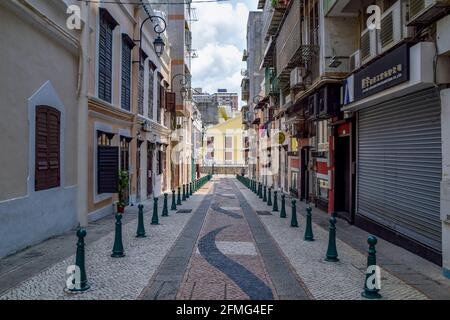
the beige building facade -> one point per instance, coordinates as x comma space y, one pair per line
90, 101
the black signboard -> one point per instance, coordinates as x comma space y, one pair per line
387, 72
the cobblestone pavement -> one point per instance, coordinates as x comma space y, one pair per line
343, 280
112, 278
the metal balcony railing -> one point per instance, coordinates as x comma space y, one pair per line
292, 49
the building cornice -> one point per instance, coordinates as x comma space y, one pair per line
107, 109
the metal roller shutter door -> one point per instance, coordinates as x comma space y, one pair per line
400, 166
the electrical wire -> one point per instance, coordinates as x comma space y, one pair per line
138, 3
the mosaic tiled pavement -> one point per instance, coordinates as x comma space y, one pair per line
226, 261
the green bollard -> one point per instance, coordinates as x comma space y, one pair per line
269, 199
371, 291
155, 219
265, 194
190, 188
260, 192
332, 255
174, 203
184, 192
179, 197
294, 222
309, 236
80, 263
140, 233
283, 207
118, 245
275, 201
165, 211
187, 191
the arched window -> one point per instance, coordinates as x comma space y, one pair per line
47, 163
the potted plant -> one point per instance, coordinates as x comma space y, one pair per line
122, 190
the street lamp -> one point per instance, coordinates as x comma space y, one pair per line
159, 46
158, 43
184, 82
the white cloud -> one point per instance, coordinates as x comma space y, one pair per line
220, 37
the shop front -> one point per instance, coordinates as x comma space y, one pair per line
398, 153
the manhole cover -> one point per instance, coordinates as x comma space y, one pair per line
263, 213
184, 211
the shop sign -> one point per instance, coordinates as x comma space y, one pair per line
385, 73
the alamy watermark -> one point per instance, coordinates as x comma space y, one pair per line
373, 280
73, 282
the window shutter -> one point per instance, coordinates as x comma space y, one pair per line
107, 25
151, 75
107, 169
127, 46
47, 163
170, 101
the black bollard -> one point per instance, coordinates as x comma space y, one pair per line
165, 211
332, 255
294, 222
187, 191
179, 197
155, 219
283, 207
260, 193
80, 263
265, 194
372, 283
184, 192
190, 189
269, 199
309, 236
140, 229
174, 203
275, 201
118, 245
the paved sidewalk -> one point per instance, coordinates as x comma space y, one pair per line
40, 271
404, 275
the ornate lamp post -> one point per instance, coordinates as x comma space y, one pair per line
158, 43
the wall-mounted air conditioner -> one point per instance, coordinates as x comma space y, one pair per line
422, 12
313, 106
393, 27
369, 48
329, 101
297, 77
355, 61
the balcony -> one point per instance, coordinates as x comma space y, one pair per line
292, 50
272, 17
245, 89
269, 55
245, 56
272, 84
344, 8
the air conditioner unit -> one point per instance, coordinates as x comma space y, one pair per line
313, 106
297, 77
329, 101
369, 48
393, 27
422, 12
355, 61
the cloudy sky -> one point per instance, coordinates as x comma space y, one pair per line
220, 38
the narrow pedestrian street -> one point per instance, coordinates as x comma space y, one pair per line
223, 243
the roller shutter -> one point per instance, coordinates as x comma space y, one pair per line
400, 166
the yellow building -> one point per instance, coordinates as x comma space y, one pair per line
225, 146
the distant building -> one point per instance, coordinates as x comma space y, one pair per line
206, 106
224, 98
211, 106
